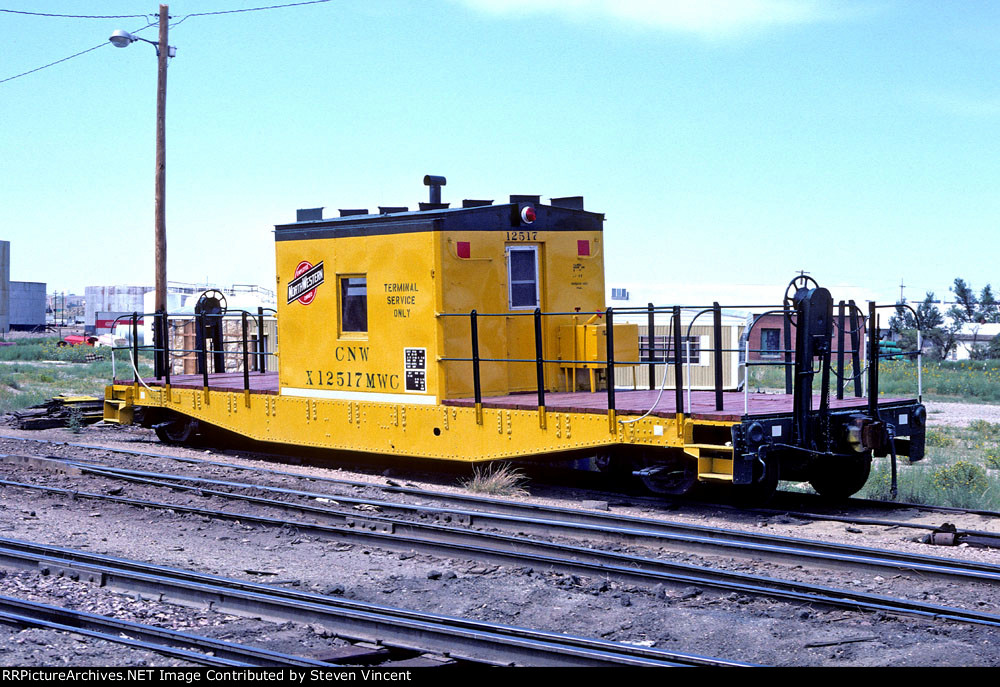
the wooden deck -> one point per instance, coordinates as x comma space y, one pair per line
626, 401
639, 402
260, 383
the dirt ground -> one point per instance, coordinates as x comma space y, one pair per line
940, 413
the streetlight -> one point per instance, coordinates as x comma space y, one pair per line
123, 39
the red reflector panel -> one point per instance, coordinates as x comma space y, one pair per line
463, 248
583, 247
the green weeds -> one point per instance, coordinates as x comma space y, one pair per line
34, 370
961, 469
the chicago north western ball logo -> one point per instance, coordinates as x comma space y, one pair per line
307, 278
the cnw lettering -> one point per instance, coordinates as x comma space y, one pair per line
352, 380
346, 354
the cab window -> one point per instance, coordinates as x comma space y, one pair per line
522, 277
354, 304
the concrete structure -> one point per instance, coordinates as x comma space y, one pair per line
112, 299
4, 286
22, 303
27, 305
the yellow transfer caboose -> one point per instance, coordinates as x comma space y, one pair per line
480, 332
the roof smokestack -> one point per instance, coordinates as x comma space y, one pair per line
435, 183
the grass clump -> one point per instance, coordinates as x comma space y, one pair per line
986, 431
992, 457
961, 475
75, 421
938, 439
496, 480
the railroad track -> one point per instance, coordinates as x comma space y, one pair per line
459, 542
548, 520
819, 511
456, 638
182, 645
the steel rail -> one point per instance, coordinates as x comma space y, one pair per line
142, 636
459, 638
514, 550
489, 502
607, 528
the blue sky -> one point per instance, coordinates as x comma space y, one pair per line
727, 142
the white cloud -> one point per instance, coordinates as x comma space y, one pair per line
712, 19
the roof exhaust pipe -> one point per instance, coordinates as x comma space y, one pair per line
435, 183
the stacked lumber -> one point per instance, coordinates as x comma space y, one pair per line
61, 411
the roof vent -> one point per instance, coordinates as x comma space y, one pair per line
308, 214
351, 213
389, 209
526, 199
467, 203
571, 202
435, 183
434, 206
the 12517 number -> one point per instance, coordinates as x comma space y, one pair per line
522, 235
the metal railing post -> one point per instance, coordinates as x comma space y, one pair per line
840, 351
920, 368
788, 351
157, 330
203, 352
135, 347
651, 341
717, 353
539, 368
746, 378
477, 389
873, 335
687, 369
678, 366
261, 350
610, 331
246, 359
165, 338
856, 349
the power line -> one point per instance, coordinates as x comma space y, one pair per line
78, 16
258, 9
52, 64
132, 16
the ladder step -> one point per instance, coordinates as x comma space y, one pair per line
715, 477
711, 447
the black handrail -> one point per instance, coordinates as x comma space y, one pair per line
161, 324
610, 327
678, 367
539, 357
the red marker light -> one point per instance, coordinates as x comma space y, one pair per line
528, 214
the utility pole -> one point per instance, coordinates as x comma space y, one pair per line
162, 52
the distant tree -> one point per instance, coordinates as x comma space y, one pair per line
988, 306
966, 308
971, 311
938, 338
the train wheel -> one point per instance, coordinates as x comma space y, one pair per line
676, 476
178, 430
842, 477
